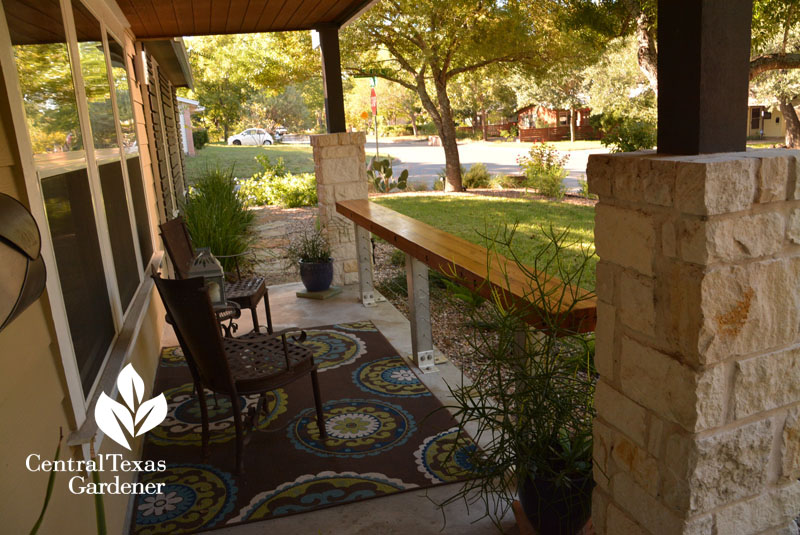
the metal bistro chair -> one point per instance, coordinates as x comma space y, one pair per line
253, 363
245, 292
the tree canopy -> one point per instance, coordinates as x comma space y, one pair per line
423, 46
258, 77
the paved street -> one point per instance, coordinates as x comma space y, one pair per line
424, 162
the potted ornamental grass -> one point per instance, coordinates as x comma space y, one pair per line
531, 407
311, 251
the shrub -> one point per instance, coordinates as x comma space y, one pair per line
427, 129
623, 133
505, 181
216, 216
275, 185
269, 169
289, 190
199, 138
398, 130
469, 134
476, 177
585, 189
544, 170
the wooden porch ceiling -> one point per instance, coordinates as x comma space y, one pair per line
176, 18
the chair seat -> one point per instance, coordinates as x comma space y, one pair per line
247, 289
257, 361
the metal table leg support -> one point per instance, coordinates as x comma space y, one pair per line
419, 308
364, 251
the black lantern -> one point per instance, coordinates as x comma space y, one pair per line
205, 265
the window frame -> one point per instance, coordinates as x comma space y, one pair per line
79, 401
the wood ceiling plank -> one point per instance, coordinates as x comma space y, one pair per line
184, 16
219, 16
166, 17
31, 23
286, 14
131, 13
303, 12
151, 27
202, 16
334, 11
267, 21
175, 18
236, 13
254, 10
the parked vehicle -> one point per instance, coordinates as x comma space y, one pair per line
281, 131
251, 136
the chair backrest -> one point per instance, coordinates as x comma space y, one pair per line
192, 317
178, 244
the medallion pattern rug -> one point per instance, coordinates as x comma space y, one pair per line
385, 435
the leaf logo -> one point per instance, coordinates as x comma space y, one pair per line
120, 422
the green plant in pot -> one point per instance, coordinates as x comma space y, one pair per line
531, 408
312, 252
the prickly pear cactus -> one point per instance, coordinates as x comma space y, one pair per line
381, 175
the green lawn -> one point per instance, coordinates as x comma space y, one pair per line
470, 216
298, 159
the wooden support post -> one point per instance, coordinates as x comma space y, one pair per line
332, 78
419, 310
703, 71
364, 252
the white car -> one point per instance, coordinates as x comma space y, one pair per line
251, 136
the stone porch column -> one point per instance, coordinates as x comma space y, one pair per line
341, 171
698, 343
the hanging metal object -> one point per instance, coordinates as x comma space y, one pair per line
205, 265
23, 276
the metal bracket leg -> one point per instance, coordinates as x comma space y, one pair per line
419, 308
364, 251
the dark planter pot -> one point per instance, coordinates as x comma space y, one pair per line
555, 510
316, 277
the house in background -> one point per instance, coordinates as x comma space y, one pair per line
765, 120
539, 123
186, 108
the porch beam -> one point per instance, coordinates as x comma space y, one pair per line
332, 78
703, 66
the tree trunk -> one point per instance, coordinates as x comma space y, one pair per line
442, 116
572, 124
225, 133
414, 123
647, 55
484, 126
792, 123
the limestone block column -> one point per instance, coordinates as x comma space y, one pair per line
341, 171
698, 343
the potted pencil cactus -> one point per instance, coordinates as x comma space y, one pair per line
531, 408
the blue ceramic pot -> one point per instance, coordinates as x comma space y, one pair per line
316, 277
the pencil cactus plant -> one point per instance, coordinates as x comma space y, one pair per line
381, 175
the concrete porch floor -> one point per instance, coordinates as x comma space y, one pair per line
410, 512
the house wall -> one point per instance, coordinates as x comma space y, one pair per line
772, 128
34, 397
